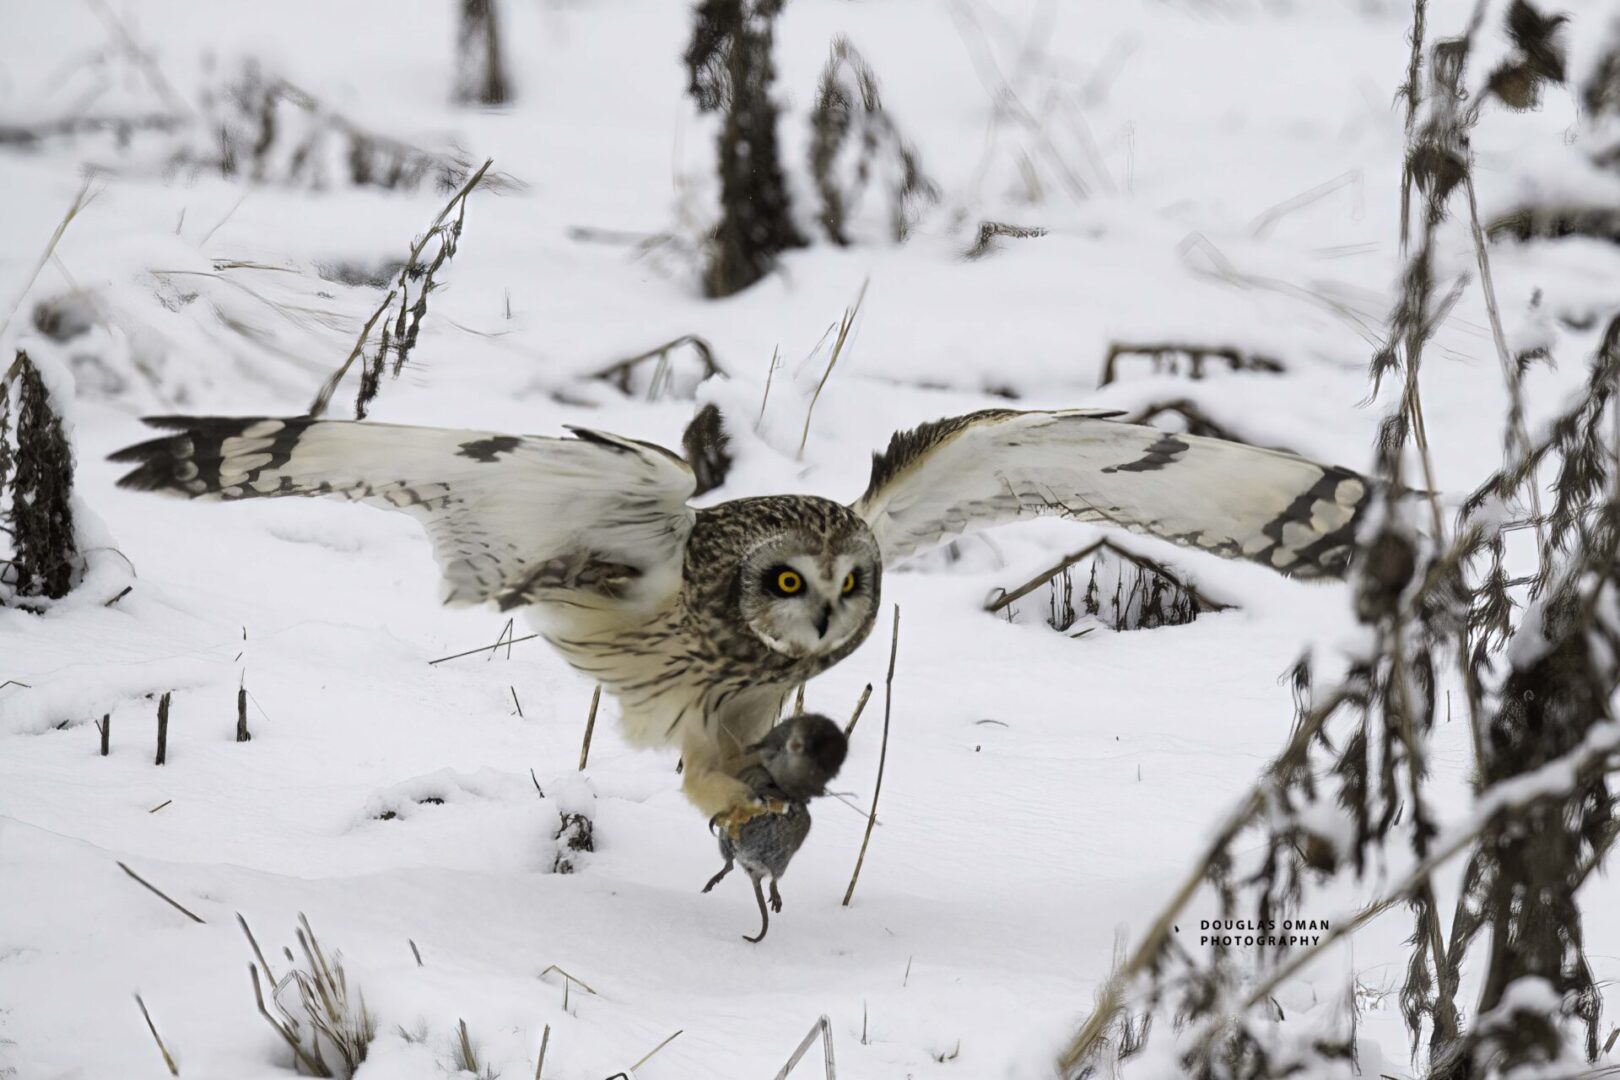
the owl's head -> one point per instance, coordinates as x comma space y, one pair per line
809, 593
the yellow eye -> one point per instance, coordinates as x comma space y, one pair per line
788, 582
849, 583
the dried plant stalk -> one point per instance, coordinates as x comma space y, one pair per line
883, 757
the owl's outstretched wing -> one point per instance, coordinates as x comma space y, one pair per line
953, 476
512, 518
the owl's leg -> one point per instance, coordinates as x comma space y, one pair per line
724, 870
776, 897
708, 775
764, 915
714, 792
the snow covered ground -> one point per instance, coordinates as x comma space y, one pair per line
1042, 793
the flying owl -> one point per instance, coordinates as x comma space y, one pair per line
701, 621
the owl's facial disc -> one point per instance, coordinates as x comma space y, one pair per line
804, 603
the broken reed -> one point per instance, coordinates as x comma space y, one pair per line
821, 1029
160, 894
621, 372
845, 325
328, 1014
168, 1059
162, 730
1156, 595
242, 732
399, 330
590, 728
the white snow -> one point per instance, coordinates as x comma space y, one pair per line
1010, 854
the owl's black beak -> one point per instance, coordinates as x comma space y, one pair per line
824, 619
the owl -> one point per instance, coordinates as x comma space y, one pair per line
701, 621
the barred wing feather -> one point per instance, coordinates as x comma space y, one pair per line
513, 519
953, 476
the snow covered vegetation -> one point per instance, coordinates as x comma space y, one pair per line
1339, 805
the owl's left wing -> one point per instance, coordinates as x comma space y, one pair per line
953, 476
513, 518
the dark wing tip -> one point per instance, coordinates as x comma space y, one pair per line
187, 460
156, 465
620, 444
910, 446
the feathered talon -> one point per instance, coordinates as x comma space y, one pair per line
733, 820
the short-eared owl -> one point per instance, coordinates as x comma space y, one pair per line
700, 621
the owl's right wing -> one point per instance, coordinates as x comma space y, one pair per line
512, 518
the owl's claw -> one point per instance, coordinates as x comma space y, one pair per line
736, 817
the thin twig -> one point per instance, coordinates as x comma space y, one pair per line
844, 327
80, 201
1510, 376
648, 1055
770, 373
174, 1070
209, 235
487, 648
504, 639
590, 726
1263, 223
143, 59
860, 707
258, 954
415, 952
883, 755
324, 396
160, 894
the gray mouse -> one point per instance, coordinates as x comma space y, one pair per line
796, 760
